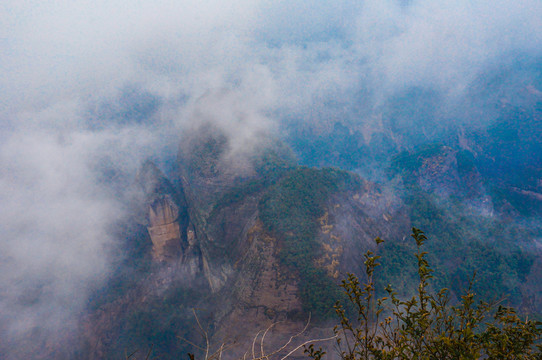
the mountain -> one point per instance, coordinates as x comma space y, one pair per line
232, 238
250, 248
267, 241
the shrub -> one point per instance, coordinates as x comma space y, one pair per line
427, 326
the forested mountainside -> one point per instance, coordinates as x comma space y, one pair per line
181, 173
238, 244
269, 242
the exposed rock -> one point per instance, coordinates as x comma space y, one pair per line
165, 231
225, 242
166, 215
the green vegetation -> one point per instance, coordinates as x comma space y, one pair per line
290, 210
445, 324
161, 326
428, 326
205, 155
465, 243
339, 147
465, 161
409, 161
164, 323
239, 193
270, 167
395, 270
158, 321
465, 240
510, 158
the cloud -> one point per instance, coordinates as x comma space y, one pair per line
446, 45
56, 217
235, 115
88, 83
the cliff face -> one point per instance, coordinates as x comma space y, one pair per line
213, 235
245, 254
164, 230
163, 209
262, 289
444, 173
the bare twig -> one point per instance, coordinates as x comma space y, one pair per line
290, 340
129, 356
190, 342
204, 333
254, 344
305, 343
220, 350
149, 353
262, 355
263, 337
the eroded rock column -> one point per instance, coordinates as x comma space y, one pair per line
164, 229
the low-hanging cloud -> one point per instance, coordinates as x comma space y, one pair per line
446, 45
85, 84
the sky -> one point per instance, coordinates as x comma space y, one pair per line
91, 88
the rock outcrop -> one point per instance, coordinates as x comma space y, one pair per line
164, 229
164, 210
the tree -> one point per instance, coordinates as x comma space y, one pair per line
427, 326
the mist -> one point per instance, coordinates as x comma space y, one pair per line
89, 90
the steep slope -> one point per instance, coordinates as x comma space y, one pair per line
267, 241
450, 197
303, 232
264, 245
147, 301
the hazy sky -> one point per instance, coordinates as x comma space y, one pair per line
92, 86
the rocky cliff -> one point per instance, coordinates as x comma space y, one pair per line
164, 230
269, 244
219, 240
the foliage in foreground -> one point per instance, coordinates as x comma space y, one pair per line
427, 326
